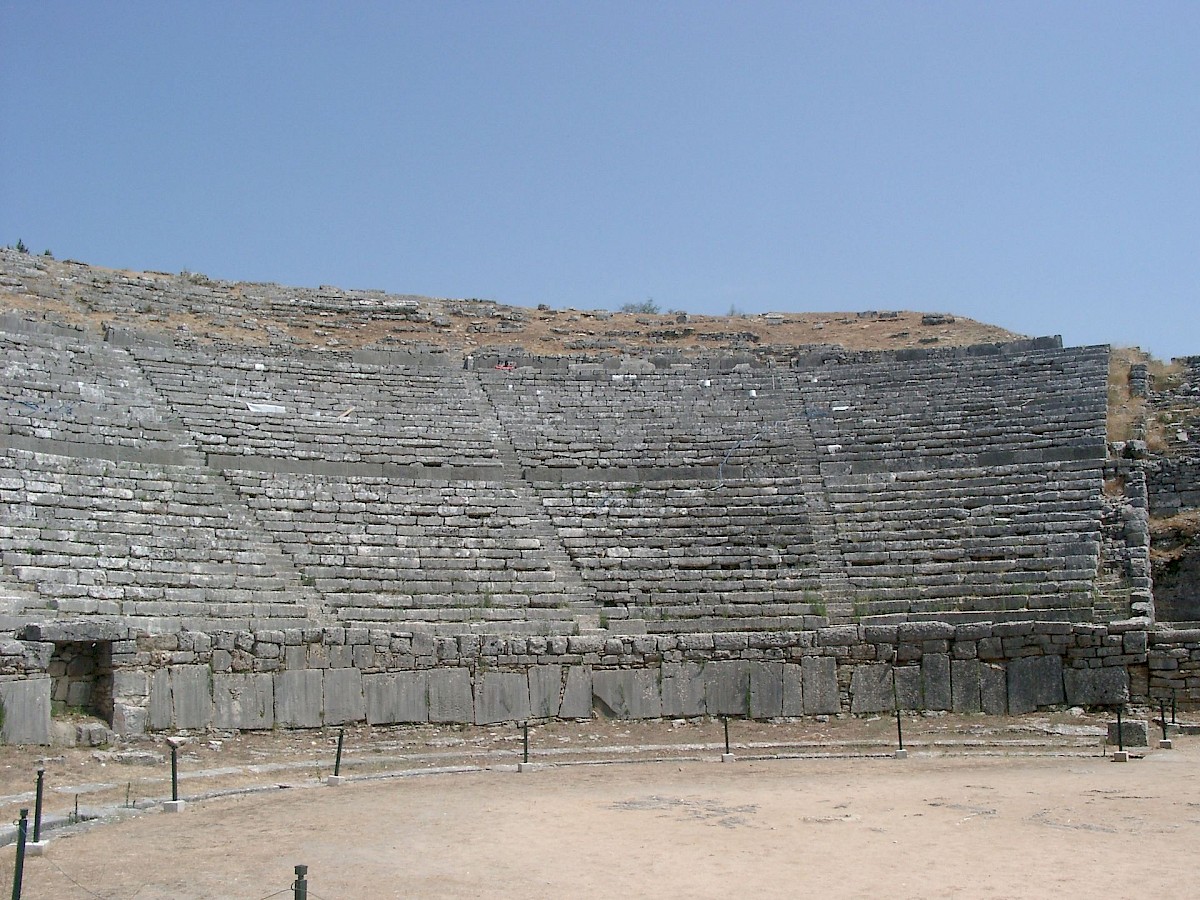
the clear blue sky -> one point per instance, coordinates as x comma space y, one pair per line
1035, 165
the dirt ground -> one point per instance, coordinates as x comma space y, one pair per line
981, 808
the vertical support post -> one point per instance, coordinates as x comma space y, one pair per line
1162, 717
901, 753
525, 742
337, 762
37, 806
19, 865
300, 885
1173, 722
725, 719
1120, 730
174, 774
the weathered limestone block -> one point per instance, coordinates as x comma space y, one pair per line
766, 690
871, 689
244, 702
130, 683
298, 698
396, 697
821, 695
935, 681
993, 689
727, 688
627, 693
501, 697
1034, 681
966, 685
191, 696
545, 691
793, 690
1133, 733
1096, 687
343, 697
683, 689
159, 712
908, 686
577, 694
450, 698
26, 711
129, 719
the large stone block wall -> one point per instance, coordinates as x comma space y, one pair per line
1173, 485
331, 676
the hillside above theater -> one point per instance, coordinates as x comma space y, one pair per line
193, 307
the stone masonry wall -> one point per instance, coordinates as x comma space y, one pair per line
331, 676
1173, 485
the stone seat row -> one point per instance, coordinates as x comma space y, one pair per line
122, 532
58, 387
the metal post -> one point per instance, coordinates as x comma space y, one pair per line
726, 721
19, 866
525, 739
1120, 732
1162, 717
174, 773
301, 885
37, 806
896, 703
337, 763
1173, 706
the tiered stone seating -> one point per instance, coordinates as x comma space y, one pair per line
735, 555
684, 416
877, 414
981, 540
322, 407
64, 386
965, 485
154, 544
405, 551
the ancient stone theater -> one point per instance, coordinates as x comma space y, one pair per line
246, 506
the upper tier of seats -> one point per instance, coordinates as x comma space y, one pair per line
390, 488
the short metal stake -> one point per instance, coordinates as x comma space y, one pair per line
301, 884
174, 805
901, 753
19, 865
1120, 755
1165, 743
726, 721
37, 805
1173, 722
337, 762
525, 742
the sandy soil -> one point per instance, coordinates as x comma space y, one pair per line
982, 808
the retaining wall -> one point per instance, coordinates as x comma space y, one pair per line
331, 676
1173, 485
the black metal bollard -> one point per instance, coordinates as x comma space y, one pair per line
37, 806
525, 741
896, 704
174, 773
19, 865
1173, 722
337, 762
726, 721
1120, 732
1162, 717
301, 885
